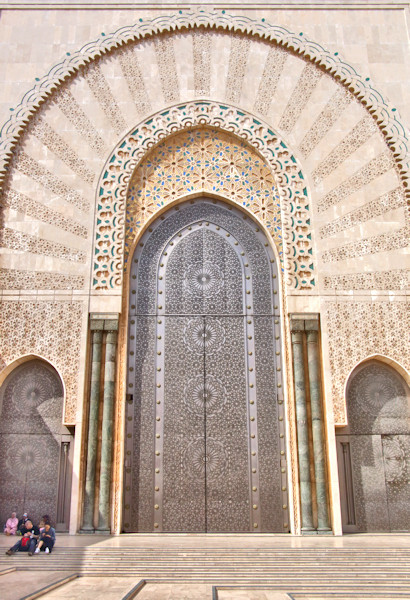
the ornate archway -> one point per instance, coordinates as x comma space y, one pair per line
205, 420
35, 447
260, 173
202, 160
374, 450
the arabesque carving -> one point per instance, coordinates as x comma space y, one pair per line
113, 223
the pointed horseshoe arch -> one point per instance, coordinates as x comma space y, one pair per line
295, 233
205, 417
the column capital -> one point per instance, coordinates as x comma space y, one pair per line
312, 336
312, 324
104, 321
297, 325
96, 324
111, 325
97, 336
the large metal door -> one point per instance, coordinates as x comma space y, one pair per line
201, 374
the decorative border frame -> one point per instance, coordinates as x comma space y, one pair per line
386, 116
108, 253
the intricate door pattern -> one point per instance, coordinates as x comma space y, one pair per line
35, 448
374, 452
205, 437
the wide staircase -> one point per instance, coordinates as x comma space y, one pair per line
191, 570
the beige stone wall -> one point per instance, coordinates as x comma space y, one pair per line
354, 175
371, 38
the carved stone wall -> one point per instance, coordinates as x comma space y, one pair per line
51, 330
330, 62
348, 134
276, 94
357, 330
199, 162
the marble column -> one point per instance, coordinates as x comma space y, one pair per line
107, 432
89, 494
312, 333
297, 327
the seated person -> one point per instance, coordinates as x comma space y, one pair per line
22, 521
10, 527
44, 519
28, 541
47, 539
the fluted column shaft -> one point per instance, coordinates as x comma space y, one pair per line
317, 425
89, 496
107, 433
302, 428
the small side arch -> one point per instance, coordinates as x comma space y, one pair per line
374, 448
401, 370
25, 358
35, 447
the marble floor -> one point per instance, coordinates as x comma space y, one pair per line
211, 567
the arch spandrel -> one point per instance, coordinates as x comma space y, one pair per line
208, 161
270, 178
80, 101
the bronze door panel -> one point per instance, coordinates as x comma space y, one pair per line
227, 455
183, 481
205, 447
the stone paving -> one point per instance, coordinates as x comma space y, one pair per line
211, 567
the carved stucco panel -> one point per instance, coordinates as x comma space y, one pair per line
51, 330
357, 330
115, 190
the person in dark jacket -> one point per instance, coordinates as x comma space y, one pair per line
30, 534
47, 539
22, 521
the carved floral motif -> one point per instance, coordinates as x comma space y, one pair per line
126, 200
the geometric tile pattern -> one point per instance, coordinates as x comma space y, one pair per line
357, 330
272, 189
207, 159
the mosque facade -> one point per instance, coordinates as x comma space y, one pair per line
204, 267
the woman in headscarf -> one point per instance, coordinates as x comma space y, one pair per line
10, 527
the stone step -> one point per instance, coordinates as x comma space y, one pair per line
115, 588
283, 559
20, 559
275, 553
226, 559
234, 577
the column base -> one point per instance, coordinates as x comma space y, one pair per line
86, 530
324, 530
103, 531
308, 531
